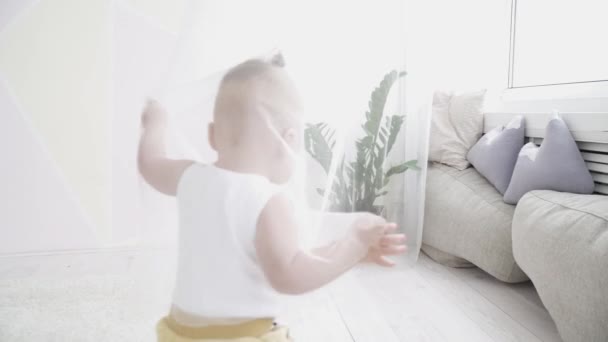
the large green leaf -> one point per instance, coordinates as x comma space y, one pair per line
319, 143
378, 101
397, 169
395, 122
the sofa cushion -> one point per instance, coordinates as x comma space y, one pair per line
495, 154
556, 165
561, 241
456, 124
465, 216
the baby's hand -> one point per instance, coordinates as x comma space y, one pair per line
375, 233
389, 244
153, 115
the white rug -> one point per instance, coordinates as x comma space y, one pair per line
85, 308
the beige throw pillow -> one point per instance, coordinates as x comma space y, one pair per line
456, 125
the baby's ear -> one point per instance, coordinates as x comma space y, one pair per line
290, 135
211, 136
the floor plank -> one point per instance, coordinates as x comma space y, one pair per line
360, 311
519, 301
489, 317
416, 310
315, 317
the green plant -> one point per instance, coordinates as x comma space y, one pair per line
360, 182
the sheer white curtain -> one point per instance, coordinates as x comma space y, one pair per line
337, 52
101, 59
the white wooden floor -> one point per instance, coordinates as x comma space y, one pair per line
118, 296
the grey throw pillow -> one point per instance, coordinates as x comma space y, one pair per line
495, 154
556, 165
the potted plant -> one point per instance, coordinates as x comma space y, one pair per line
359, 183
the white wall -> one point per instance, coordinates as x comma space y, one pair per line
458, 44
55, 59
70, 95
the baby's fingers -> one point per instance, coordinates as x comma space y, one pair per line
393, 239
390, 227
393, 250
385, 262
372, 235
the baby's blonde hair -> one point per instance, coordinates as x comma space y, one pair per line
257, 87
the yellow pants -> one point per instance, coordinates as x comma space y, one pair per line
261, 330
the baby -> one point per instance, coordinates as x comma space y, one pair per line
238, 233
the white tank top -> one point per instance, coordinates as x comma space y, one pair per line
218, 274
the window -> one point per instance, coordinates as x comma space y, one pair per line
558, 42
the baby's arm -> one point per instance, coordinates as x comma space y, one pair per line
334, 225
160, 172
292, 270
389, 244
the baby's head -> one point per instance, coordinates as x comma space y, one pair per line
257, 123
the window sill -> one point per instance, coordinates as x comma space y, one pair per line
586, 90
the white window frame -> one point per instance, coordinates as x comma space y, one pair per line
566, 90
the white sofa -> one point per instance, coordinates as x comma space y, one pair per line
557, 240
466, 222
561, 241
